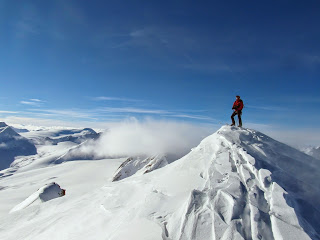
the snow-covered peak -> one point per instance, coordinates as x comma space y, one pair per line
236, 184
3, 124
76, 136
271, 154
256, 179
313, 151
7, 132
13, 144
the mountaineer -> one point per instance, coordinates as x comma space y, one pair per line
237, 106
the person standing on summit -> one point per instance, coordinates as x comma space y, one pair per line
237, 106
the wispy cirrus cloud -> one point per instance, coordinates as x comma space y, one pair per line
268, 108
7, 111
104, 98
36, 100
196, 117
69, 113
133, 110
30, 103
33, 102
116, 113
187, 114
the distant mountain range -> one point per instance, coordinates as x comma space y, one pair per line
12, 145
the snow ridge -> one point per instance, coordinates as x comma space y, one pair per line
236, 184
12, 145
313, 151
139, 165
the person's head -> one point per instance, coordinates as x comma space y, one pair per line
237, 97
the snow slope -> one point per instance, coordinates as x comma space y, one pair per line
12, 145
237, 184
139, 165
313, 151
51, 144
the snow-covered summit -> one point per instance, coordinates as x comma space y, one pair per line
236, 184
3, 124
76, 136
13, 144
7, 132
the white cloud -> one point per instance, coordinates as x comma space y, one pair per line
103, 98
29, 103
268, 108
198, 117
34, 123
296, 137
148, 137
33, 102
107, 113
8, 112
66, 113
133, 136
36, 100
134, 110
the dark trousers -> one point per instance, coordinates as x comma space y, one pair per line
239, 113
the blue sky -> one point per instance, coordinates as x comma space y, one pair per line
100, 61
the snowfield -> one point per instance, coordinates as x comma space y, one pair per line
236, 184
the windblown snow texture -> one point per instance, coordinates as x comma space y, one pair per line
139, 165
12, 145
237, 184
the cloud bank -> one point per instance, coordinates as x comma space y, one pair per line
146, 138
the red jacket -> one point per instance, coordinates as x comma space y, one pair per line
238, 105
